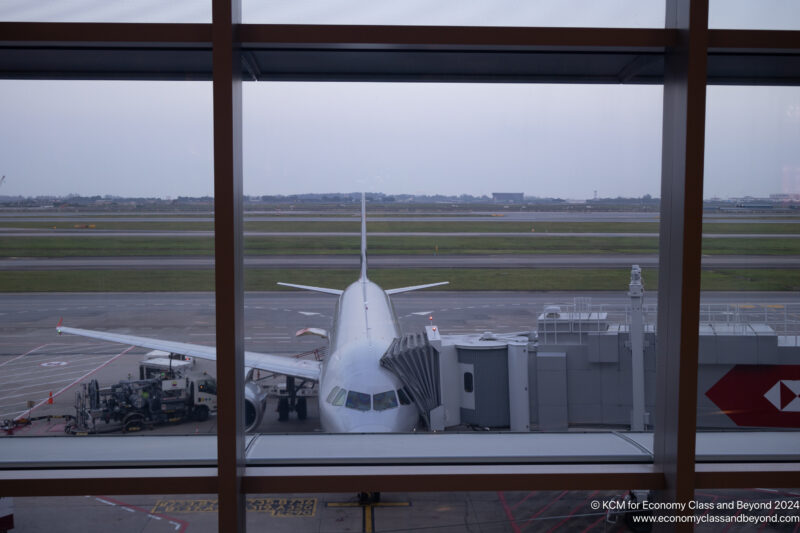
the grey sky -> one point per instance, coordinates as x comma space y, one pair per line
154, 139
753, 14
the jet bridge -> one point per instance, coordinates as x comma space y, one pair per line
416, 363
594, 366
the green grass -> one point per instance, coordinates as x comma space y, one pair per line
750, 280
203, 246
103, 246
460, 280
497, 226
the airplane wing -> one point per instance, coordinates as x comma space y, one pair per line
288, 366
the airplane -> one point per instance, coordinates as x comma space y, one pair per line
356, 394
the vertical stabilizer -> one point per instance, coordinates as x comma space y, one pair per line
363, 236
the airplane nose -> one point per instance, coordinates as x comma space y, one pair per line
371, 428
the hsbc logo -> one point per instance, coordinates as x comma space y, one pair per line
785, 395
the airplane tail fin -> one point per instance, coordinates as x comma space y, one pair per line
363, 237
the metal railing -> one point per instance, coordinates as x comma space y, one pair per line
581, 316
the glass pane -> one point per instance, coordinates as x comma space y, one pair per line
384, 400
522, 197
183, 11
438, 511
151, 513
754, 14
358, 401
106, 226
574, 13
749, 328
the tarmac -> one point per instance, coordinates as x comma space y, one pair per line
35, 361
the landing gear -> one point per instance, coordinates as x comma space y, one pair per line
302, 408
292, 402
283, 409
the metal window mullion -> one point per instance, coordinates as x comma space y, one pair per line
680, 247
229, 289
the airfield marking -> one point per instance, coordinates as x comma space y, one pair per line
367, 515
54, 363
178, 525
23, 355
42, 402
573, 511
276, 507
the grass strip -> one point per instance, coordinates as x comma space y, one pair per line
497, 226
460, 280
204, 246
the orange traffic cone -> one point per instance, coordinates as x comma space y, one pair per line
50, 399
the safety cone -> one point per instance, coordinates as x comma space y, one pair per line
50, 399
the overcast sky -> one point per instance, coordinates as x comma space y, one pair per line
154, 138
749, 14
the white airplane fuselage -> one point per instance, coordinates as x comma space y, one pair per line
364, 328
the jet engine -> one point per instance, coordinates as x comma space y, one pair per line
255, 401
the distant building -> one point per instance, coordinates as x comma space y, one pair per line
508, 197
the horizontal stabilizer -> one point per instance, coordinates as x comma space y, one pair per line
337, 292
312, 331
415, 287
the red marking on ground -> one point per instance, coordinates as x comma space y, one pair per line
23, 355
44, 401
713, 500
509, 514
730, 525
184, 525
523, 500
594, 524
517, 528
543, 509
772, 512
572, 513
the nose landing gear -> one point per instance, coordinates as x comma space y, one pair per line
292, 402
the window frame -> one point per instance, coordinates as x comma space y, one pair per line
688, 48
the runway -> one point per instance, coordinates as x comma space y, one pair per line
500, 215
44, 232
581, 261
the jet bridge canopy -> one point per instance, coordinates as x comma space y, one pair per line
413, 359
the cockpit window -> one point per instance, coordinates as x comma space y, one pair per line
339, 398
358, 401
401, 393
384, 400
332, 394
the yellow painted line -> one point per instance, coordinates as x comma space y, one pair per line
392, 504
775, 306
277, 507
368, 519
368, 516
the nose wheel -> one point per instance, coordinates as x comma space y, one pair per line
292, 402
